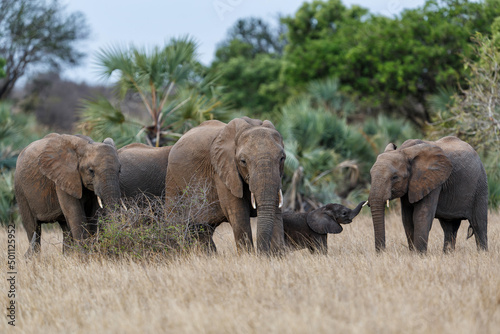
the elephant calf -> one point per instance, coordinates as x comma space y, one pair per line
311, 229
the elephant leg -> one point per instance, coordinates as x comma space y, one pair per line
73, 214
450, 229
319, 245
423, 215
243, 234
407, 217
237, 212
479, 223
34, 237
31, 225
239, 218
67, 239
204, 234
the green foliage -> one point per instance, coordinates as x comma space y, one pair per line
37, 32
7, 208
168, 80
251, 84
16, 131
102, 119
392, 64
474, 114
249, 63
328, 159
2, 70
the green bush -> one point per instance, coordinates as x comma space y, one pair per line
16, 131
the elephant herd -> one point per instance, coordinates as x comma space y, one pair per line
66, 178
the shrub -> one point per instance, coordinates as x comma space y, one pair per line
145, 228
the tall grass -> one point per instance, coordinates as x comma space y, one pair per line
352, 290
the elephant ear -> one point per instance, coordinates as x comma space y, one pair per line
59, 162
322, 223
390, 147
430, 168
222, 155
110, 142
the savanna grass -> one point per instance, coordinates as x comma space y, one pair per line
351, 290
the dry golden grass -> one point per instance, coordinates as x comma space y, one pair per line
352, 290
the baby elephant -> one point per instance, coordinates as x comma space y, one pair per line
311, 229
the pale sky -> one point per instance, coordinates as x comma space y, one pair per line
147, 23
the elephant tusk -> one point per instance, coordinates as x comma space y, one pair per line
123, 205
387, 203
253, 201
280, 198
365, 203
99, 201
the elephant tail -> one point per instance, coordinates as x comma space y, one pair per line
470, 231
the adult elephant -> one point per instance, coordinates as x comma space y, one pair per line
143, 169
444, 179
64, 178
241, 166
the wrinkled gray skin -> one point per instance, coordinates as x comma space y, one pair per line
311, 229
232, 161
143, 169
444, 179
58, 179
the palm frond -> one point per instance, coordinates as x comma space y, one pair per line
100, 119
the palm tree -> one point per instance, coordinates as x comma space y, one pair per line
328, 158
165, 79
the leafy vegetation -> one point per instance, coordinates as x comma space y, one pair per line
249, 62
37, 32
473, 114
392, 64
329, 157
145, 229
16, 131
169, 82
338, 82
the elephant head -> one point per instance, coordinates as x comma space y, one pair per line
327, 219
76, 162
249, 154
413, 170
311, 229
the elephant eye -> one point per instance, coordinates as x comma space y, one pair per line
91, 171
243, 162
395, 177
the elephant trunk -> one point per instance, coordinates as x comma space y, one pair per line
378, 216
356, 211
267, 200
109, 192
265, 224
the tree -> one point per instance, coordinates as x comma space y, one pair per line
37, 32
250, 37
328, 158
170, 83
474, 115
249, 61
391, 64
